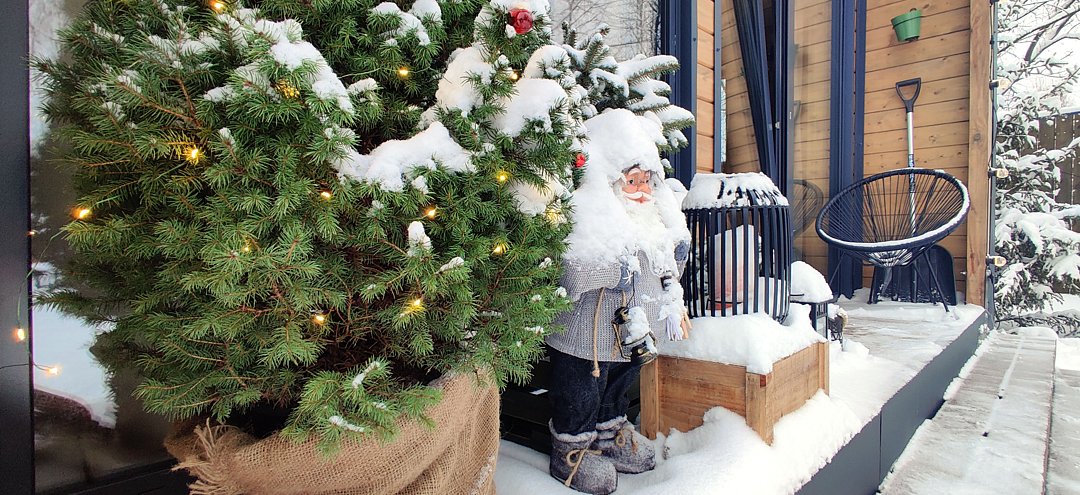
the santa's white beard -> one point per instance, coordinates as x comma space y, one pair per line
652, 233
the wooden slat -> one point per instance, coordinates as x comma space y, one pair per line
704, 148
811, 13
705, 84
979, 134
931, 69
932, 92
880, 13
925, 137
705, 49
705, 15
941, 157
704, 118
650, 399
757, 401
925, 115
933, 24
938, 46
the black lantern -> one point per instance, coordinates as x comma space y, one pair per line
740, 248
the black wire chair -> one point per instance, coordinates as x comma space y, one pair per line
806, 200
892, 218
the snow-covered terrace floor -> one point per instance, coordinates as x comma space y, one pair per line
893, 354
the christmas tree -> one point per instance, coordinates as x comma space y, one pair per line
315, 205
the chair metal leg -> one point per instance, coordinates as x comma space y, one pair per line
937, 283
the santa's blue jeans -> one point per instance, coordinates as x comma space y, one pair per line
580, 400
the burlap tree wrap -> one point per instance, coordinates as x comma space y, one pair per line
456, 457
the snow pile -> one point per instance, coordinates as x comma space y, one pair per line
456, 91
418, 239
410, 21
532, 104
604, 230
808, 284
390, 162
754, 340
532, 200
293, 52
727, 190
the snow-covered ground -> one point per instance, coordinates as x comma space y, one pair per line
886, 345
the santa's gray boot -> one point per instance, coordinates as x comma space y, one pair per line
628, 450
578, 466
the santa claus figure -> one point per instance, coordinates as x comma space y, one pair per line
621, 270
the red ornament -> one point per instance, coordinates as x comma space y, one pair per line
521, 20
580, 161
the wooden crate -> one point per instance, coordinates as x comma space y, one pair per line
676, 392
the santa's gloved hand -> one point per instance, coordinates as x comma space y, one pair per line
682, 251
626, 277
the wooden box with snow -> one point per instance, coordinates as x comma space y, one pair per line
748, 364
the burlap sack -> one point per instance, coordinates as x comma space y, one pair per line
456, 457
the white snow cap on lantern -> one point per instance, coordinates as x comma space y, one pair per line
725, 190
808, 284
604, 231
390, 162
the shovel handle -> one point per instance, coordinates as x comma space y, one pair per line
909, 103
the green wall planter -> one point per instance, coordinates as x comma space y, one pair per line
906, 25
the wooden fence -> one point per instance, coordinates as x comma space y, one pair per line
1057, 132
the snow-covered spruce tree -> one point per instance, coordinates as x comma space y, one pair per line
320, 215
632, 84
1031, 228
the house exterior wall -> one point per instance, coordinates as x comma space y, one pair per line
951, 119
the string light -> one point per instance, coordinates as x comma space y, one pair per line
514, 75
502, 176
319, 319
554, 215
193, 154
32, 233
19, 334
287, 90
53, 370
326, 194
417, 303
430, 212
499, 249
81, 213
218, 6
403, 72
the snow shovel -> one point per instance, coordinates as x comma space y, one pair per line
909, 105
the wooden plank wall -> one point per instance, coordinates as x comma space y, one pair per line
813, 72
705, 93
941, 58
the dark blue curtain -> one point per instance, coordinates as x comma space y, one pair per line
762, 82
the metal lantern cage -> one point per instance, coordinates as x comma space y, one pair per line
740, 248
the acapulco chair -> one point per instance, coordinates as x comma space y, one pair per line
892, 218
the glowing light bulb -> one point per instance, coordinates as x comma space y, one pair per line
554, 215
417, 303
32, 233
81, 213
319, 319
53, 370
326, 194
499, 249
514, 76
502, 176
246, 248
193, 154
19, 334
430, 212
217, 6
403, 72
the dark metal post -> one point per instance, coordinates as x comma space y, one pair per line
678, 38
17, 439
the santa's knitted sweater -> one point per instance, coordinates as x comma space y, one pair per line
591, 288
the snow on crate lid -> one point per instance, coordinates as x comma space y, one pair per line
726, 190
